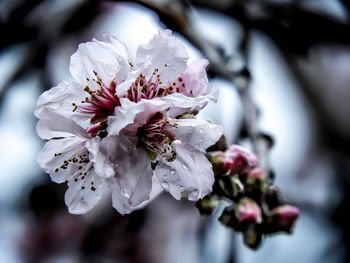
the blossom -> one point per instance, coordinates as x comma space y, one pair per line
177, 144
116, 113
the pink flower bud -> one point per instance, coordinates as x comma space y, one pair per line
242, 159
256, 178
248, 211
207, 205
283, 218
220, 161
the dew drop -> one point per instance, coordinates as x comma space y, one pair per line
194, 194
181, 188
200, 130
185, 167
148, 57
165, 177
120, 59
200, 140
165, 185
172, 172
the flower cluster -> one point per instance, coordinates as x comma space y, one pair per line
257, 209
128, 125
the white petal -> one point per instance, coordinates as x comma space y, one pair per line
198, 133
157, 189
182, 104
55, 152
189, 175
120, 201
164, 52
132, 168
107, 59
133, 115
102, 166
59, 99
123, 116
195, 79
83, 194
54, 125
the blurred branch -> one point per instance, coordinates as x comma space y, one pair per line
285, 23
39, 38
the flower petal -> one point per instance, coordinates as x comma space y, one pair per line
132, 170
165, 53
183, 104
189, 175
133, 115
108, 59
123, 116
198, 133
103, 167
53, 125
195, 79
83, 194
55, 152
59, 99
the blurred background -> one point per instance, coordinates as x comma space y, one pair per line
298, 55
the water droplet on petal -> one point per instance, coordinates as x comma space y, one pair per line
172, 172
200, 141
194, 194
120, 59
200, 130
181, 188
165, 177
148, 57
165, 185
185, 167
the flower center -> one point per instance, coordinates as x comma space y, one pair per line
152, 88
101, 103
155, 138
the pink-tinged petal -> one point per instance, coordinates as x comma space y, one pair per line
102, 166
108, 59
131, 115
123, 116
54, 125
132, 168
120, 200
84, 193
194, 79
55, 152
165, 53
157, 189
190, 175
198, 133
184, 104
60, 99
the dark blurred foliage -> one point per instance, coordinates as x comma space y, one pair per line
296, 30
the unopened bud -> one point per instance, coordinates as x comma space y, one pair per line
207, 205
272, 196
230, 186
242, 159
220, 161
282, 218
248, 211
252, 236
228, 218
256, 179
